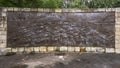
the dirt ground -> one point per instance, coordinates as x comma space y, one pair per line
61, 60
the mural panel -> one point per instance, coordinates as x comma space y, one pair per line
61, 29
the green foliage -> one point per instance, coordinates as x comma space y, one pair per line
95, 4
31, 3
103, 3
60, 3
51, 3
78, 4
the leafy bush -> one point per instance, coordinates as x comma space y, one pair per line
60, 3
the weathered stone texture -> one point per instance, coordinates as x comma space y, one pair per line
51, 49
58, 10
14, 49
118, 15
9, 49
77, 49
60, 29
117, 50
95, 49
40, 9
3, 31
43, 49
63, 48
71, 49
10, 9
117, 33
117, 42
110, 50
28, 49
117, 9
3, 51
36, 49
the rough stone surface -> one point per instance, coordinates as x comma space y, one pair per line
110, 50
43, 49
95, 49
88, 49
61, 29
21, 49
100, 50
58, 10
29, 49
117, 50
77, 49
14, 49
36, 49
63, 48
3, 26
3, 51
71, 49
51, 49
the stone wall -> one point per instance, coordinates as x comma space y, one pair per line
117, 32
60, 29
3, 33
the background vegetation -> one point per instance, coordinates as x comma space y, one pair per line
60, 3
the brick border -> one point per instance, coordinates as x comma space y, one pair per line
3, 33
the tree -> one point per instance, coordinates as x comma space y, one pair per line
60, 3
78, 4
103, 3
